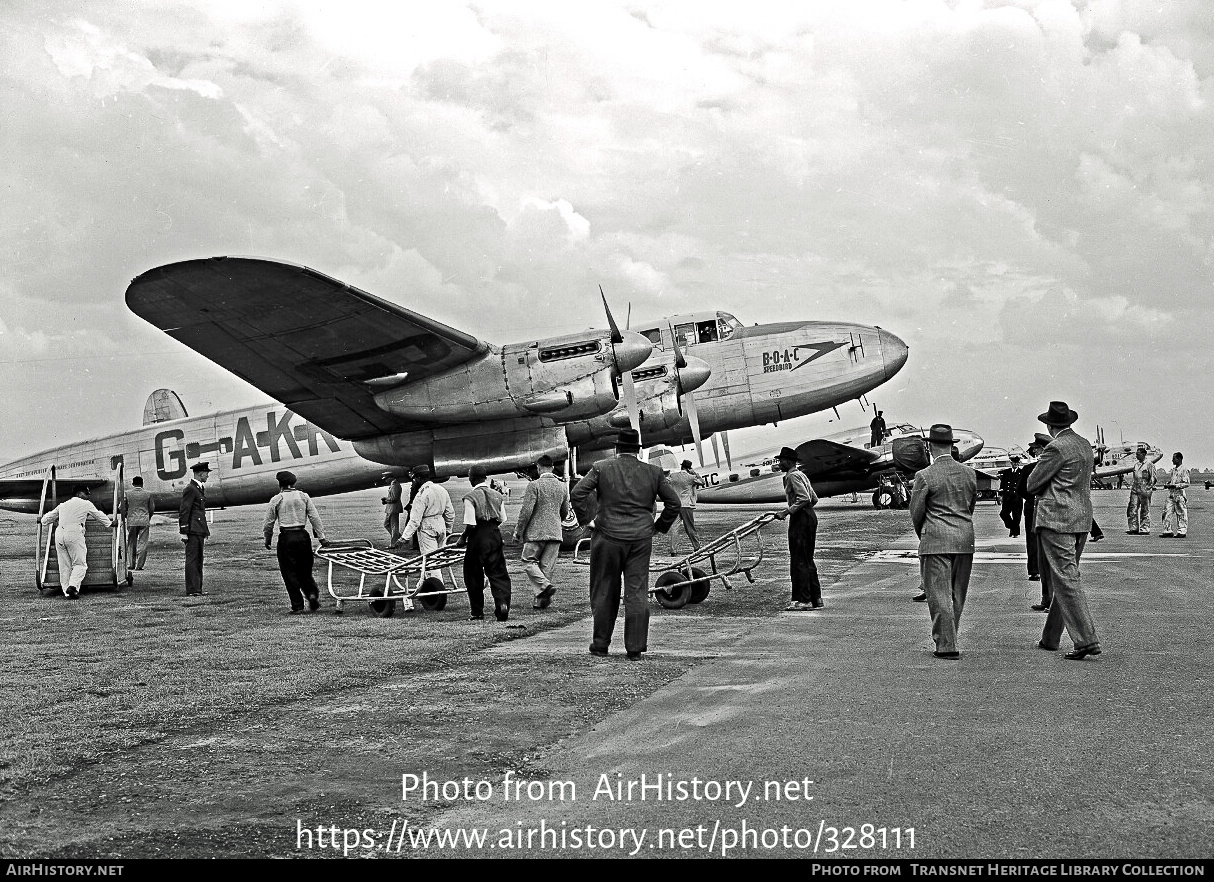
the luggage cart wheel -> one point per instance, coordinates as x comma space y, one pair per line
385, 609
699, 591
130, 579
434, 602
673, 591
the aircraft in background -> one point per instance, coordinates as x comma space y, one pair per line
367, 386
844, 462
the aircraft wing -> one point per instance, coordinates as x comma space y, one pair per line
301, 337
821, 456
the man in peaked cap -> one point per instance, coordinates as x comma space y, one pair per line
625, 489
192, 523
942, 511
1062, 483
293, 510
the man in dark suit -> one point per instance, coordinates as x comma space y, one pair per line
942, 510
625, 490
1062, 482
192, 523
1010, 501
1031, 544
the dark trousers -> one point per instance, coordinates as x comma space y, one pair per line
295, 562
802, 535
1096, 532
1060, 554
483, 558
193, 564
1030, 537
1047, 592
610, 561
946, 579
1009, 512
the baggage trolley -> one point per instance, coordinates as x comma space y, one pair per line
683, 582
107, 560
365, 559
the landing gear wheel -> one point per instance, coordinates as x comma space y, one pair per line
385, 609
699, 590
673, 590
434, 602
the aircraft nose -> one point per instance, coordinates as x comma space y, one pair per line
694, 374
893, 352
633, 351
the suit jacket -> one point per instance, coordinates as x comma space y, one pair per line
392, 500
1062, 481
192, 518
942, 507
625, 489
545, 506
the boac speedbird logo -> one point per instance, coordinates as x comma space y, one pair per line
786, 360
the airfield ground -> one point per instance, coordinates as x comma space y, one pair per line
142, 724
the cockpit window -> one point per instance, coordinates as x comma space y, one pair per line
654, 336
729, 325
706, 332
685, 334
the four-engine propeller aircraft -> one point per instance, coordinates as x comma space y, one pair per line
842, 463
367, 386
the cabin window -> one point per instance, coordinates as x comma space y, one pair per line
733, 478
685, 334
706, 332
754, 473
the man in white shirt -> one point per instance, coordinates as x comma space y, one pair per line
685, 483
431, 515
293, 510
70, 548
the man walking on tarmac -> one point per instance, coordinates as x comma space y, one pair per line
137, 511
1062, 482
545, 507
625, 489
70, 548
293, 510
482, 540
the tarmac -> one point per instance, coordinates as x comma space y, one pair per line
852, 735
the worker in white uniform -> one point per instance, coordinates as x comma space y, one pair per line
70, 547
1176, 514
431, 516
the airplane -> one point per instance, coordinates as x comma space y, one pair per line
362, 387
1110, 461
844, 462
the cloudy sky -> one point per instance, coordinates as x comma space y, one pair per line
1022, 191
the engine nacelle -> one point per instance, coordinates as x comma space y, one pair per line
503, 446
565, 378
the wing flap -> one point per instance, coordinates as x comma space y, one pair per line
298, 335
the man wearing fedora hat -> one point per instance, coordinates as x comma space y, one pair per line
802, 533
192, 523
942, 511
1062, 483
625, 490
293, 510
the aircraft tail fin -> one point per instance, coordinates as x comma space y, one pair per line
163, 405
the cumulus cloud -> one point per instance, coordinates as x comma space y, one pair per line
981, 175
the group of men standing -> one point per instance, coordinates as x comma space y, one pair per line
1143, 484
1060, 483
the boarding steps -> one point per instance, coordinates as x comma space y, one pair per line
107, 552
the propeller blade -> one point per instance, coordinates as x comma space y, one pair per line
616, 336
628, 318
679, 361
716, 451
725, 444
693, 417
630, 401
